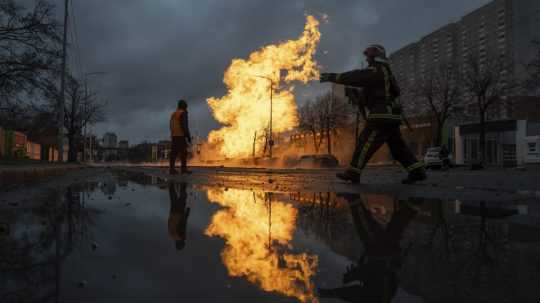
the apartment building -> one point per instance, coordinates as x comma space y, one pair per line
502, 30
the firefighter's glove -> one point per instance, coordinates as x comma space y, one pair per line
328, 77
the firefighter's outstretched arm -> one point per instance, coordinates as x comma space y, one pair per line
357, 78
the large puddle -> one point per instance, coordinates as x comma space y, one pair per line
142, 239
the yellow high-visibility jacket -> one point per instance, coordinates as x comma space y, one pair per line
178, 123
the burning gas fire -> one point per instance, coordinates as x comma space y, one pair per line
257, 233
246, 107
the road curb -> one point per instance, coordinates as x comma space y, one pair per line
24, 175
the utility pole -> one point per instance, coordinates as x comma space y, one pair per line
330, 108
271, 142
61, 98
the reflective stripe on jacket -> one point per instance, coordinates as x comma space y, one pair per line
380, 89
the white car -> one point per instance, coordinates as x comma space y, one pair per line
432, 159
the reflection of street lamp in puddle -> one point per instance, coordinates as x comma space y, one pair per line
268, 201
269, 205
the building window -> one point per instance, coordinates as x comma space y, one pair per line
532, 148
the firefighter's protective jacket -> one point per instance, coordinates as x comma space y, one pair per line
380, 89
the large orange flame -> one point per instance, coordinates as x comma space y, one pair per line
246, 107
257, 233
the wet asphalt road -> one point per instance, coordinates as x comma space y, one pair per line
132, 235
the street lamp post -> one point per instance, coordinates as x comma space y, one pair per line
61, 99
86, 75
271, 141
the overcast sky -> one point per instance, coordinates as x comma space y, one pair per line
156, 51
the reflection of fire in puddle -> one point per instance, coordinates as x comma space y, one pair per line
258, 229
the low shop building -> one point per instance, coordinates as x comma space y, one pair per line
47, 139
508, 142
13, 144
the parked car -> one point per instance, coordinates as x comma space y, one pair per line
432, 158
317, 161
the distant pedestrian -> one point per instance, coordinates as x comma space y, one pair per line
180, 138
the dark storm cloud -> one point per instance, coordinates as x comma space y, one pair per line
156, 51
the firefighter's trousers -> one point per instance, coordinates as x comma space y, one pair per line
373, 136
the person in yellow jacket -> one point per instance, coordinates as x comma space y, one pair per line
180, 138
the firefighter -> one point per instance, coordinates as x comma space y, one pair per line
381, 91
178, 214
180, 138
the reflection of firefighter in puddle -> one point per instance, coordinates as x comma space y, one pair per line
179, 213
379, 221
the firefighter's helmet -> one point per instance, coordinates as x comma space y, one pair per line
375, 51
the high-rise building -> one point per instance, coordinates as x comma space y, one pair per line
501, 29
110, 140
123, 144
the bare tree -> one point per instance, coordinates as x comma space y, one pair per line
333, 113
486, 82
309, 122
29, 48
440, 91
82, 109
322, 117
